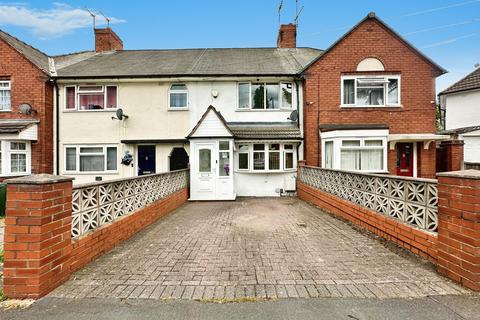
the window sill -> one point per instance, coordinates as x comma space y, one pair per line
265, 110
13, 175
5, 111
93, 110
387, 107
97, 173
178, 109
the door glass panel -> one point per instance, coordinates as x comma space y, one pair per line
205, 160
224, 164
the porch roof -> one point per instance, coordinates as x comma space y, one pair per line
25, 129
427, 138
265, 131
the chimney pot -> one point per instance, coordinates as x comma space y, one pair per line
107, 40
287, 36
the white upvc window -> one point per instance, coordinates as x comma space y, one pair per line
91, 97
178, 96
370, 91
265, 157
15, 158
264, 95
5, 96
91, 158
365, 154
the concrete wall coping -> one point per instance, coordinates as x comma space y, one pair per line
39, 179
465, 174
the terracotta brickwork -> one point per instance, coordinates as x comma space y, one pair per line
40, 253
417, 241
107, 40
459, 227
322, 90
287, 36
37, 236
30, 85
450, 156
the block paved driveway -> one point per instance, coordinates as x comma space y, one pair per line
263, 248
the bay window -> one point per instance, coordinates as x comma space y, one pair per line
370, 90
90, 97
91, 158
264, 95
368, 154
266, 157
15, 158
5, 96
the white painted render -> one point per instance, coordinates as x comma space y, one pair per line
462, 109
145, 101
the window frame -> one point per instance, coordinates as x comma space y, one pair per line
282, 151
264, 83
285, 151
170, 91
78, 155
337, 150
9, 89
386, 102
5, 156
78, 93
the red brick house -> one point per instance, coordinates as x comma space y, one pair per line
26, 109
369, 104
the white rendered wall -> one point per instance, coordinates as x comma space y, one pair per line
260, 184
462, 109
471, 149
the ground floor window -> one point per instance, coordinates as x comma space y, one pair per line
91, 158
15, 158
361, 153
266, 157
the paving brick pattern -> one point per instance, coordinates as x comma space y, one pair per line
254, 248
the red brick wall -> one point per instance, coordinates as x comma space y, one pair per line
106, 40
40, 253
417, 241
29, 85
287, 36
459, 227
450, 156
322, 88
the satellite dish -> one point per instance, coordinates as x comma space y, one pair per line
25, 108
120, 115
293, 116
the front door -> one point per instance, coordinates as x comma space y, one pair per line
405, 159
146, 160
204, 171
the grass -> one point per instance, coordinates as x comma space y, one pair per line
2, 296
1, 256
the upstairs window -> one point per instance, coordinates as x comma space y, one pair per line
264, 96
90, 97
5, 96
178, 96
370, 91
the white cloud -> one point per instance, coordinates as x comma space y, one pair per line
50, 23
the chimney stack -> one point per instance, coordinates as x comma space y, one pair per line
287, 36
107, 40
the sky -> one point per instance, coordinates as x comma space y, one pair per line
447, 31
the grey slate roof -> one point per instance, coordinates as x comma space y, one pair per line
273, 131
192, 62
15, 126
37, 57
469, 82
62, 61
461, 130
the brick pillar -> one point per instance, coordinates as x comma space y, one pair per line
459, 227
37, 235
452, 155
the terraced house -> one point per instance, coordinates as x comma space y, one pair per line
242, 118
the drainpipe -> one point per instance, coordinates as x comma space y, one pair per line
299, 115
57, 127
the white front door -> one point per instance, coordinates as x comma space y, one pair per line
205, 171
211, 171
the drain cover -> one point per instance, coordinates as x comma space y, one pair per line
301, 224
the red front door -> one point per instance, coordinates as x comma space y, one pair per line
405, 159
